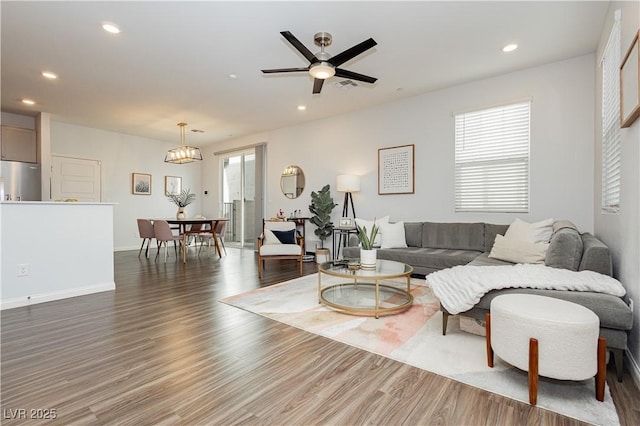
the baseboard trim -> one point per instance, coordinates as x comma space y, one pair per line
634, 369
18, 302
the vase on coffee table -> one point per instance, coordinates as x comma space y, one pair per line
368, 258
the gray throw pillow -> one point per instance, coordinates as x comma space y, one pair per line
565, 249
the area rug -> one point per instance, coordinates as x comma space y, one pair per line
415, 337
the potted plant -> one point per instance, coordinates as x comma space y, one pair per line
182, 200
368, 253
321, 206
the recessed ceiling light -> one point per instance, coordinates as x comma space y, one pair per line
49, 75
233, 76
510, 47
301, 107
28, 102
111, 28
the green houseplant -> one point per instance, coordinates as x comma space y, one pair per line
368, 254
321, 206
182, 200
366, 240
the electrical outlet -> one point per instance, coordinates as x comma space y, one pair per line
23, 269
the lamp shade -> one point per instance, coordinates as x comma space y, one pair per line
348, 183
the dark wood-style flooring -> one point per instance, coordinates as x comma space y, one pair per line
161, 349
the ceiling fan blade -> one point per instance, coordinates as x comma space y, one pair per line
352, 52
285, 70
317, 85
299, 46
354, 76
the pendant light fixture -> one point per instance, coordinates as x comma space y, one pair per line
183, 153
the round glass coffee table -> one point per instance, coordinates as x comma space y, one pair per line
362, 293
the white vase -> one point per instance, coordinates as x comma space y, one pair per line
368, 258
182, 213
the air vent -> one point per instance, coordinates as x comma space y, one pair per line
345, 84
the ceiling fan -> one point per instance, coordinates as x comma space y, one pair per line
322, 65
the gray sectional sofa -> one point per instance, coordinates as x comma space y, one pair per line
434, 246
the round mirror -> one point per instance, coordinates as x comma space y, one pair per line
292, 182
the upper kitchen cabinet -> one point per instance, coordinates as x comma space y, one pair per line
18, 144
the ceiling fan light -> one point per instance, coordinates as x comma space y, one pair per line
322, 70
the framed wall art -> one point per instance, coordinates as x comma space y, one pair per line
141, 184
172, 185
396, 171
630, 84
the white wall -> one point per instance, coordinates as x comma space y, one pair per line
562, 144
122, 155
621, 232
67, 249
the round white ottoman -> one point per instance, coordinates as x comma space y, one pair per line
546, 336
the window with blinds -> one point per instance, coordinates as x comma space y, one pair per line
492, 159
611, 122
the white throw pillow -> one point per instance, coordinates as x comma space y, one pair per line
538, 232
270, 238
393, 235
518, 251
369, 225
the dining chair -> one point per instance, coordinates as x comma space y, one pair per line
164, 234
145, 229
279, 240
194, 230
219, 234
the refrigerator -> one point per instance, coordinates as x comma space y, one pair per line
20, 181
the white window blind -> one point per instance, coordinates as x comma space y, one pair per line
611, 122
492, 159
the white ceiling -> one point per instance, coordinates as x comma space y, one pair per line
172, 60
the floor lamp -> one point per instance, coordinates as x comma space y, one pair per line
348, 184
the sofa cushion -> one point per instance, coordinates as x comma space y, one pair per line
270, 237
413, 233
485, 260
367, 225
612, 311
453, 236
595, 255
518, 251
490, 232
428, 257
286, 237
565, 249
538, 232
393, 235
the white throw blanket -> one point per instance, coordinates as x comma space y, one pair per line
461, 287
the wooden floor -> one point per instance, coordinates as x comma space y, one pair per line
161, 349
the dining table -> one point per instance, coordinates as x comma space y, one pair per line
185, 232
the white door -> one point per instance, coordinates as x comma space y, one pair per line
75, 178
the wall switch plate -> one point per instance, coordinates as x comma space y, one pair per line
23, 269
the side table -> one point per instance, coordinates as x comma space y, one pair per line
301, 223
342, 234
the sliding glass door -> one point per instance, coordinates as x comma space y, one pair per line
239, 197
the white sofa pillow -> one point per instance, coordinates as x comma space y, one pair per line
538, 232
393, 235
518, 251
270, 238
369, 225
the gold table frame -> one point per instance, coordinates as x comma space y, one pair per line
385, 269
